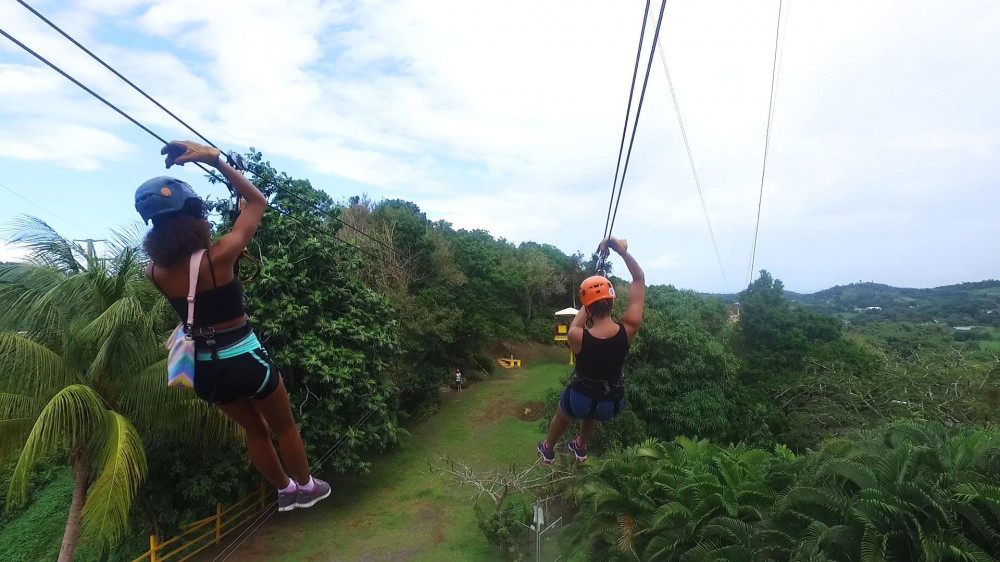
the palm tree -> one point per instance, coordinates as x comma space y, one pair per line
82, 372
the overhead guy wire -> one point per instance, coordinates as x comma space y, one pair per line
767, 141
694, 170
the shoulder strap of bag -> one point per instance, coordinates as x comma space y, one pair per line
193, 285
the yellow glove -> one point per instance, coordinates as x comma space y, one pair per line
618, 245
182, 152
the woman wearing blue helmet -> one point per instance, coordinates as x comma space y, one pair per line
232, 370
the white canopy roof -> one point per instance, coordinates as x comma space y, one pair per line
567, 312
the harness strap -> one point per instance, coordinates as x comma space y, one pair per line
192, 287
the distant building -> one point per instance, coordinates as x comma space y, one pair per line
868, 309
963, 328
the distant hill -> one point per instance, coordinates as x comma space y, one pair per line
965, 304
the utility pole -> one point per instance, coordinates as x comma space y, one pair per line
91, 252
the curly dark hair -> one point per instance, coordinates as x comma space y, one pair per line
601, 308
176, 236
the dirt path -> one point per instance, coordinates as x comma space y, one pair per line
403, 511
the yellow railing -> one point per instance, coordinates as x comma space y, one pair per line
225, 521
509, 363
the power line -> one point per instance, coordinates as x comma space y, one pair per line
694, 170
767, 141
76, 226
638, 111
628, 111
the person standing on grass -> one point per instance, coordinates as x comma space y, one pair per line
458, 380
597, 390
233, 371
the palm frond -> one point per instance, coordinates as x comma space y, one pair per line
46, 246
75, 415
152, 406
17, 415
121, 462
27, 367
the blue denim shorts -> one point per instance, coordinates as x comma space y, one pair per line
580, 407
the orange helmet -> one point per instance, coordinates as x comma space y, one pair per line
596, 288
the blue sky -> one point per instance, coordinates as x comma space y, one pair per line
507, 117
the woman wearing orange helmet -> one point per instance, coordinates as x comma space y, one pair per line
597, 391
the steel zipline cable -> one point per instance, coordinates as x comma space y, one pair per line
609, 223
268, 511
638, 112
101, 61
694, 170
628, 113
161, 139
767, 141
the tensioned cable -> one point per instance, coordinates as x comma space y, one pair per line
694, 170
638, 111
319, 464
161, 106
115, 72
259, 521
121, 112
92, 92
767, 142
628, 112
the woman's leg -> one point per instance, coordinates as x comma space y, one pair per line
586, 432
557, 427
278, 413
259, 446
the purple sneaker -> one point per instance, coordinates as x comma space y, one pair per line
548, 455
577, 450
320, 491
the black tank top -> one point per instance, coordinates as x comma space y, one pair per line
211, 307
599, 366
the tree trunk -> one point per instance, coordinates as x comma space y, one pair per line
81, 481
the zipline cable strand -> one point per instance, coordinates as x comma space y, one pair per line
694, 170
198, 164
92, 92
259, 521
767, 141
113, 71
628, 112
161, 106
638, 111
326, 456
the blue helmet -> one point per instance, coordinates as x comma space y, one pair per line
162, 196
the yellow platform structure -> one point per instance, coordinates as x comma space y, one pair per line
561, 330
509, 363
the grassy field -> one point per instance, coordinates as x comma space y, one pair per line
401, 511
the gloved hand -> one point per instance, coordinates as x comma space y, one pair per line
182, 152
618, 245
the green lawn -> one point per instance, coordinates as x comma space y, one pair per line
401, 511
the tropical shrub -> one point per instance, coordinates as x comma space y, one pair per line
907, 491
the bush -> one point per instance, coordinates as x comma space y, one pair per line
505, 523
